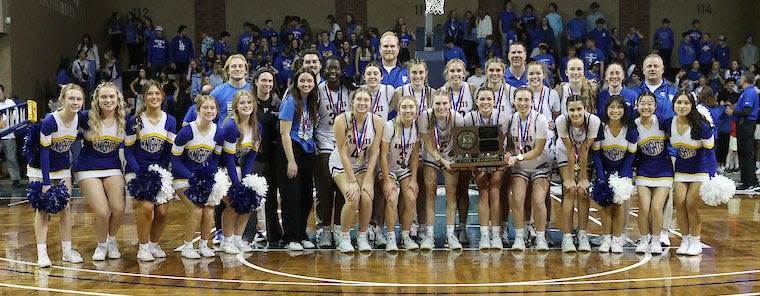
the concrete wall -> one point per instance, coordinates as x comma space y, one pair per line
256, 12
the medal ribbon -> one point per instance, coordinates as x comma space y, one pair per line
377, 101
523, 132
499, 97
540, 108
458, 103
359, 138
421, 100
405, 141
338, 105
437, 132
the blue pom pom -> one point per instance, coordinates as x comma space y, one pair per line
242, 199
201, 183
34, 195
602, 193
56, 198
145, 186
31, 149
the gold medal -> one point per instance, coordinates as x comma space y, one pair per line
577, 167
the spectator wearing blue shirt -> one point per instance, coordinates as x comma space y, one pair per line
222, 47
245, 38
601, 37
633, 44
528, 18
181, 50
745, 114
576, 27
130, 36
325, 47
594, 15
506, 17
452, 51
706, 53
695, 33
686, 51
454, 27
664, 40
722, 52
694, 72
157, 52
268, 31
555, 22
592, 54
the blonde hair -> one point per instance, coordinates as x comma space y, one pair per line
350, 112
95, 118
66, 88
397, 124
587, 93
145, 89
236, 117
229, 61
202, 99
450, 64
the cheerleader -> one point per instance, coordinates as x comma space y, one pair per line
57, 132
461, 93
577, 129
382, 97
298, 115
489, 180
334, 98
692, 136
654, 173
149, 138
398, 170
99, 168
527, 140
357, 138
577, 85
435, 128
614, 151
197, 147
242, 138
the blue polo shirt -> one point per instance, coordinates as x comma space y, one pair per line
516, 81
664, 95
748, 98
396, 77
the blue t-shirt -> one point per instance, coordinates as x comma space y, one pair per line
506, 17
302, 130
224, 94
665, 37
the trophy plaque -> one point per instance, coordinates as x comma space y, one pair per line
477, 147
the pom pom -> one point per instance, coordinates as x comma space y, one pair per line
166, 193
242, 199
31, 149
56, 198
201, 183
145, 186
622, 187
706, 114
219, 190
257, 183
601, 192
34, 195
718, 190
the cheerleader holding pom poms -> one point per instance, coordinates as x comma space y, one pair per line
352, 163
398, 171
692, 136
195, 156
56, 134
99, 168
613, 152
148, 144
241, 142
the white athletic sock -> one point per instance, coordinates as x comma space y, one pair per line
110, 239
237, 238
227, 239
41, 248
449, 230
151, 243
483, 230
581, 232
203, 244
102, 245
363, 234
188, 245
429, 230
346, 235
405, 233
66, 247
144, 246
336, 228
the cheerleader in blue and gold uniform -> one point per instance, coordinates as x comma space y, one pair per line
150, 135
99, 167
57, 132
692, 137
197, 148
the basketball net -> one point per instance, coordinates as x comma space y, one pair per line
434, 7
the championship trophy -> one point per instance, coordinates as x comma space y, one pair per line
478, 147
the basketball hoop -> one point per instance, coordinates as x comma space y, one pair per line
434, 7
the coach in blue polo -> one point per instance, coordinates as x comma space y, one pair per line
745, 115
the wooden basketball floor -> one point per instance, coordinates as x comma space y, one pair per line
730, 263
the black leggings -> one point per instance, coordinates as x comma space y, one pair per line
297, 195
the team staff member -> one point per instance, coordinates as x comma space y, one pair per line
298, 115
393, 72
745, 113
99, 168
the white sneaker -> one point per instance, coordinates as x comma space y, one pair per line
229, 247
655, 247
261, 236
144, 254
604, 247
496, 243
390, 243
519, 244
413, 230
294, 246
684, 245
379, 237
113, 250
541, 244
363, 243
243, 246
485, 242
190, 253
345, 246
336, 237
324, 238
205, 251
617, 245
664, 238
43, 260
583, 243
427, 242
567, 243
453, 242
643, 245
100, 253
695, 246
307, 244
73, 257
505, 235
409, 243
156, 251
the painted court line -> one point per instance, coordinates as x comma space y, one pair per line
51, 289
